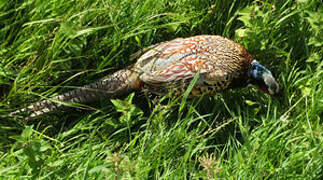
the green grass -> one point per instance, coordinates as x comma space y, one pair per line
47, 46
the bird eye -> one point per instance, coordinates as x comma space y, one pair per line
254, 67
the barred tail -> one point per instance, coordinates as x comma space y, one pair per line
121, 82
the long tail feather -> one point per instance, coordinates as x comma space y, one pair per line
119, 83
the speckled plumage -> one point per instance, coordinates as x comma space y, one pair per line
220, 62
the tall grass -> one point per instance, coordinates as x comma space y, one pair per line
47, 47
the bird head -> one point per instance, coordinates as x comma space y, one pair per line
263, 78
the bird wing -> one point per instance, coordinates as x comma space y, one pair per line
180, 60
144, 50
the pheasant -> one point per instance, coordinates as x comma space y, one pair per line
220, 63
